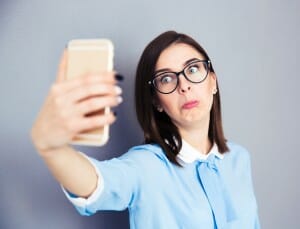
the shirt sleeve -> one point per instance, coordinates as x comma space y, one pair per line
117, 186
81, 203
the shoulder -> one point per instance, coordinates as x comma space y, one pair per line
238, 155
147, 160
138, 158
237, 150
145, 153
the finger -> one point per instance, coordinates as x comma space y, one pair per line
97, 103
81, 93
95, 122
104, 76
62, 67
86, 80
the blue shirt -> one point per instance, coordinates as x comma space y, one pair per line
206, 193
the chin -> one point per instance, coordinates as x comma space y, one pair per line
196, 116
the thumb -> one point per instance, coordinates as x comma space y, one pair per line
61, 73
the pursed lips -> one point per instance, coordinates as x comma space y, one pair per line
190, 104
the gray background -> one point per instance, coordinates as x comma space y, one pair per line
254, 47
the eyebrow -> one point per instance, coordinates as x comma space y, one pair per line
169, 70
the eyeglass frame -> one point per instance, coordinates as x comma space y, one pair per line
208, 62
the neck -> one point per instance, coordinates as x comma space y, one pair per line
197, 136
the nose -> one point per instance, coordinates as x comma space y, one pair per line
183, 85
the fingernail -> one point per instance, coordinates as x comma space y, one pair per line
118, 90
119, 77
115, 113
119, 99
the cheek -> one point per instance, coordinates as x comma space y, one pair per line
208, 88
205, 95
167, 105
168, 102
210, 97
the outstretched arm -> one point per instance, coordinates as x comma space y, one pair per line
63, 116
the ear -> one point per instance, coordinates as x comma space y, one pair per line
213, 76
157, 105
213, 82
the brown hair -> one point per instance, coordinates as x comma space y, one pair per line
157, 126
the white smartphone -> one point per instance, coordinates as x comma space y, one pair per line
90, 56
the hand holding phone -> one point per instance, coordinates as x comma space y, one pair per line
90, 56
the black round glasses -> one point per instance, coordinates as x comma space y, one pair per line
194, 72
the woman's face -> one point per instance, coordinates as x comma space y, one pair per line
190, 104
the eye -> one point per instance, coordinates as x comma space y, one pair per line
193, 68
166, 78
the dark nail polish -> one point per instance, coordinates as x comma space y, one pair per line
119, 77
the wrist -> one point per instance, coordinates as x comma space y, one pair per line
48, 153
43, 148
46, 150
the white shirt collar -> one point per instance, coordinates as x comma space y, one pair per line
189, 154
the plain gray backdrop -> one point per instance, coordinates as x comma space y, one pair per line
254, 46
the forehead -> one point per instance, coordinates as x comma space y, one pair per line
176, 55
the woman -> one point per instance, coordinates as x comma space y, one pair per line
186, 175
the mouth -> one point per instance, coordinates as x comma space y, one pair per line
190, 104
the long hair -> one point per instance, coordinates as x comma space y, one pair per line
157, 126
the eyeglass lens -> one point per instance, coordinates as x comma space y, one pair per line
195, 72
